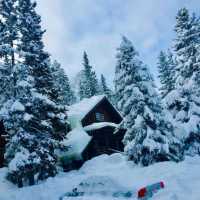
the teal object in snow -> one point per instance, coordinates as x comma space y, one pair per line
148, 191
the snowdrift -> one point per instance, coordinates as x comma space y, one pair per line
105, 175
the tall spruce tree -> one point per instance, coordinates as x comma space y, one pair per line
149, 137
9, 34
89, 83
105, 89
13, 114
32, 47
8, 40
95, 84
166, 68
6, 82
35, 124
62, 85
183, 101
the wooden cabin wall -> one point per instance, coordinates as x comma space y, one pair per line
105, 108
103, 142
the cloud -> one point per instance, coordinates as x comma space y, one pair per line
96, 26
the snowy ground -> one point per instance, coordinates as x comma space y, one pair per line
116, 174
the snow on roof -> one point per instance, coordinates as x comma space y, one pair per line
77, 140
99, 125
78, 111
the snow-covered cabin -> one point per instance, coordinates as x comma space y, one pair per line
94, 128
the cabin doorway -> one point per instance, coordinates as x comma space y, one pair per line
2, 144
104, 141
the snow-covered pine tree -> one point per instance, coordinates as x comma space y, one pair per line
35, 124
14, 115
166, 68
85, 82
95, 84
62, 85
105, 89
8, 38
75, 84
9, 34
149, 137
31, 47
183, 101
6, 82
81, 92
88, 85
172, 66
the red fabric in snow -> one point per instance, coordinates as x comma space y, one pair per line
162, 184
142, 192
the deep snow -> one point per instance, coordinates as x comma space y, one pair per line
182, 180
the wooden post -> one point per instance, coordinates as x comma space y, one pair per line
19, 182
31, 179
2, 143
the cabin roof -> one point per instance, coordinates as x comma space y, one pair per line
81, 109
77, 112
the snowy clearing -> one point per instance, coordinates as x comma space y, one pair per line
106, 175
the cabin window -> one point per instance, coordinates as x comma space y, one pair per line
100, 117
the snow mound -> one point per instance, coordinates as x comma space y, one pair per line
77, 140
104, 160
99, 184
113, 173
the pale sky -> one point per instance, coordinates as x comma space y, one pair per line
96, 26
